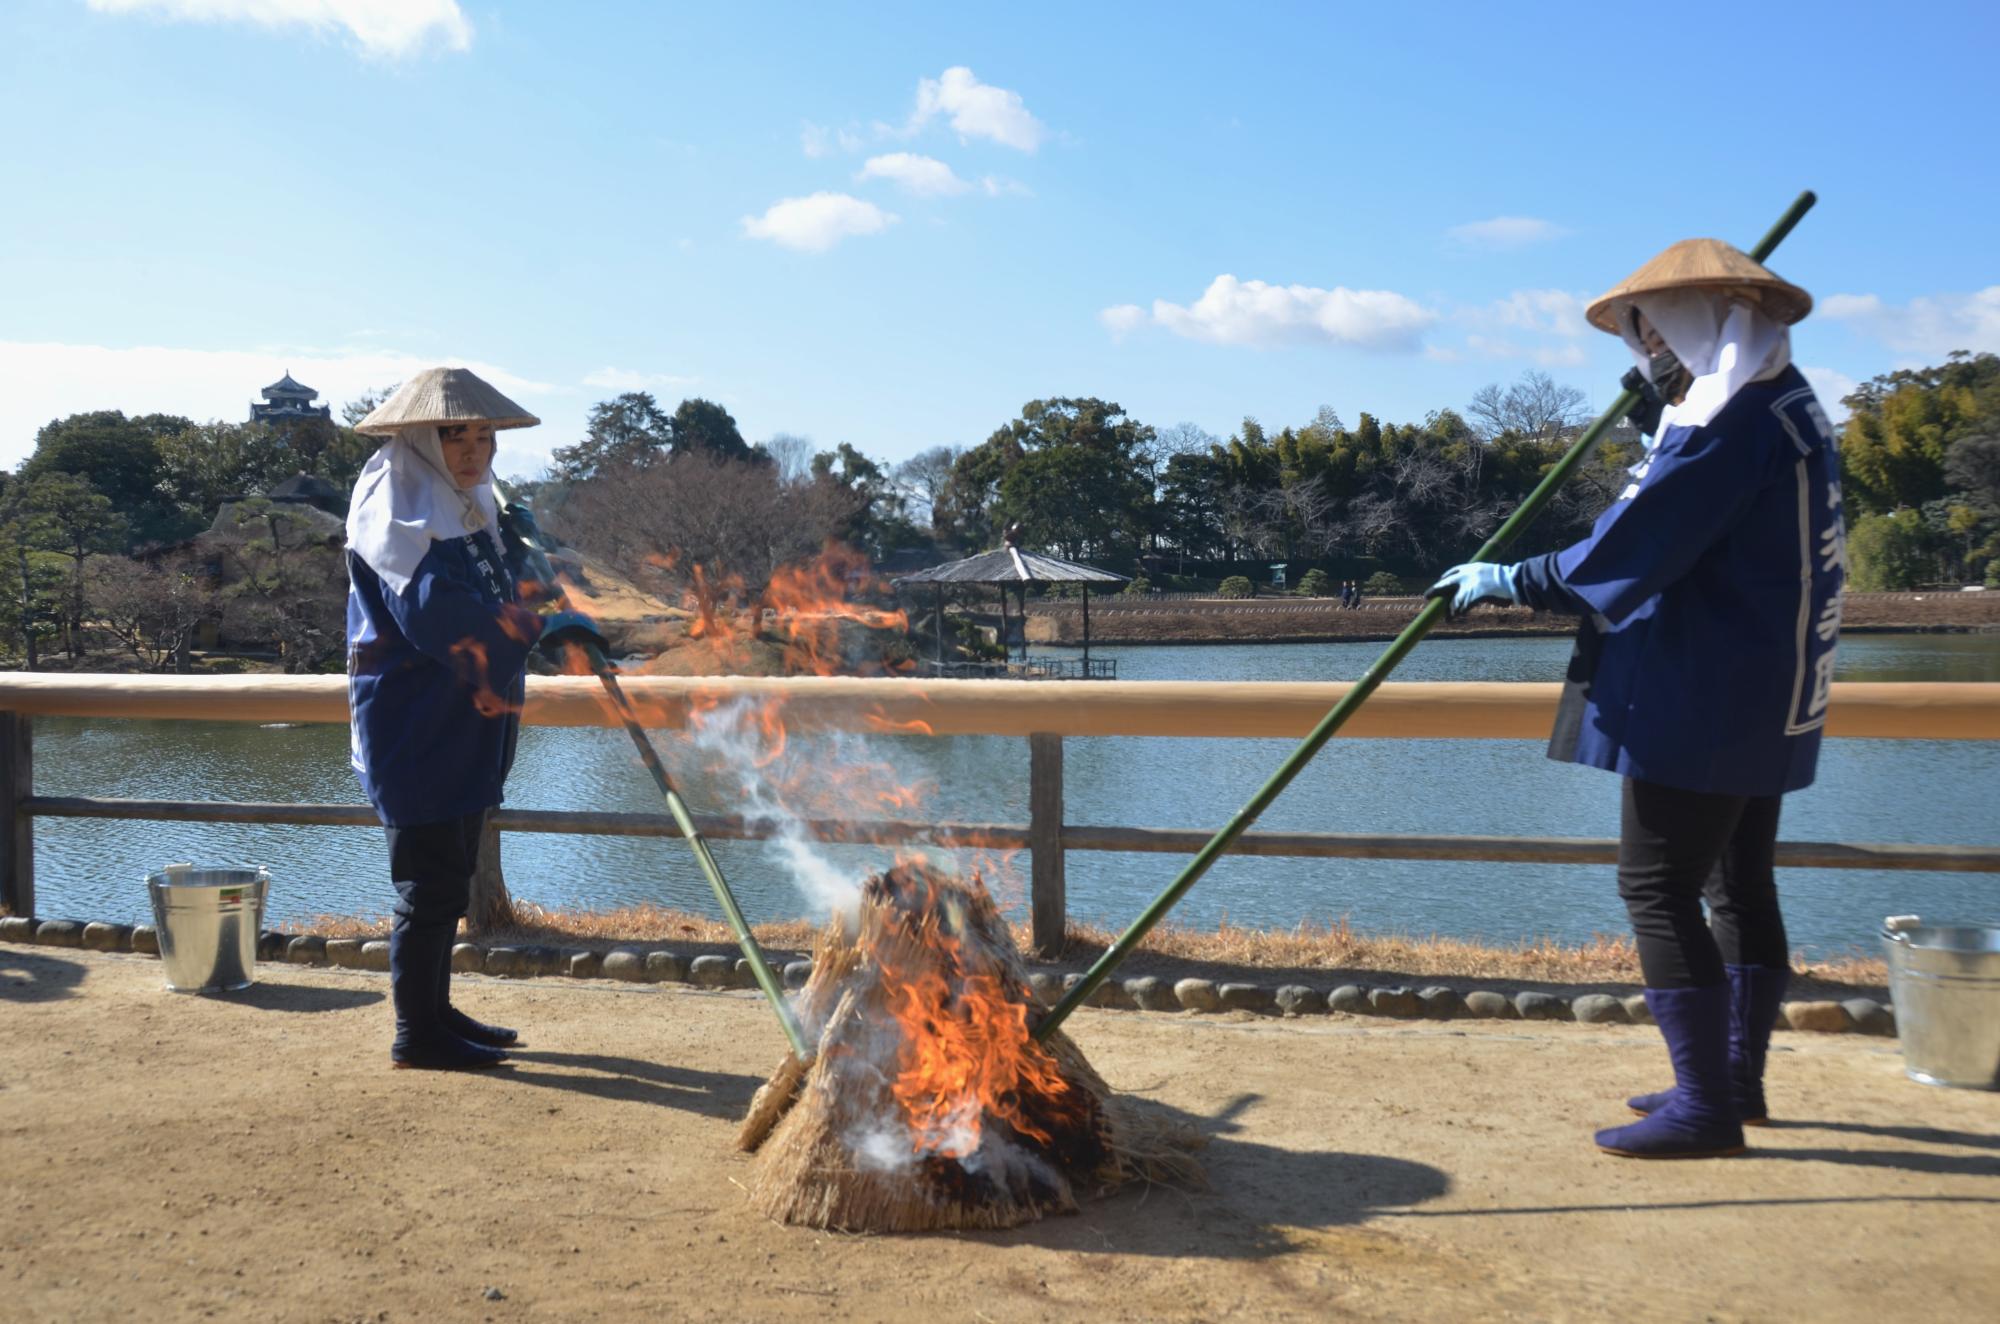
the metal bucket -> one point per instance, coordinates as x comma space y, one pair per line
208, 920
1944, 980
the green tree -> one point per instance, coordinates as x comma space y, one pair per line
703, 427
626, 430
63, 513
365, 404
116, 455
205, 464
32, 584
1892, 552
1078, 482
965, 514
924, 479
879, 524
1897, 441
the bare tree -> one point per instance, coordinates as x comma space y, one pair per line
151, 608
284, 580
791, 454
708, 528
1294, 519
1179, 439
1535, 407
923, 478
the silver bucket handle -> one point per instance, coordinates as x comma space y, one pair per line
1894, 926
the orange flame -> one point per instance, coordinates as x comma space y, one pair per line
965, 1053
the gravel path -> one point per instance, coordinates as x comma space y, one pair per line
251, 1157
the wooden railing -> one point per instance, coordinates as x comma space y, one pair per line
1044, 714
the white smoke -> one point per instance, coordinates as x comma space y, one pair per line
735, 744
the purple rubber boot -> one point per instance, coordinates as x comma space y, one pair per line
1699, 1121
1756, 996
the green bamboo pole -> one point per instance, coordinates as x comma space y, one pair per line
760, 969
1367, 685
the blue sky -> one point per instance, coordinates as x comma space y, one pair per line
892, 225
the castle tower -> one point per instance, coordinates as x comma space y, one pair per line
286, 401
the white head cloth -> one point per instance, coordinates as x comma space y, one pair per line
404, 499
1726, 344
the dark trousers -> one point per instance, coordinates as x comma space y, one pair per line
432, 866
1677, 849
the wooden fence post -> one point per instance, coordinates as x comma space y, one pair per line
1049, 904
492, 909
17, 829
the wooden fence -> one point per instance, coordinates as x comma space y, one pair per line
1044, 714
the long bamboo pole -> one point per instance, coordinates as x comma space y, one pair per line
1374, 676
760, 969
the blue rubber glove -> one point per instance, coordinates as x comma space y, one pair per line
569, 627
1468, 585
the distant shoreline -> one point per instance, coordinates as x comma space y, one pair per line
1183, 622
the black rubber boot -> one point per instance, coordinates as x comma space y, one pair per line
460, 1024
422, 1040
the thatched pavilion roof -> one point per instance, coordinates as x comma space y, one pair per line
1011, 565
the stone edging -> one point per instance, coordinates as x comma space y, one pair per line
643, 965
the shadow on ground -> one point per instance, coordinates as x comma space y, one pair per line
1254, 1194
1921, 1135
706, 1093
297, 997
34, 977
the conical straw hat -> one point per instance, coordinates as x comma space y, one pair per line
1703, 264
444, 395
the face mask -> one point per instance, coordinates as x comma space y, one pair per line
1669, 376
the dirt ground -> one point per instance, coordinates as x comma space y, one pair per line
252, 1157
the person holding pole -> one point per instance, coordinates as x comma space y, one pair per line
437, 650
1710, 592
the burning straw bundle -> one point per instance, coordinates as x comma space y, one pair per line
928, 1103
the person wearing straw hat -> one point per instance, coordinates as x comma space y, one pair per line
437, 649
1710, 592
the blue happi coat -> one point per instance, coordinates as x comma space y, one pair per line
1711, 591
436, 675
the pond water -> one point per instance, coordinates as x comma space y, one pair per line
1939, 792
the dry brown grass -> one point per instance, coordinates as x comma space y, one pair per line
1307, 948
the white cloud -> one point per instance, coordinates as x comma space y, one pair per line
1122, 319
1254, 312
999, 185
1548, 356
1931, 325
925, 176
1503, 232
392, 28
625, 379
1546, 327
1830, 386
977, 110
815, 223
818, 140
1546, 312
40, 381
